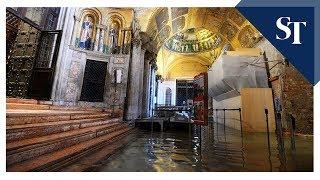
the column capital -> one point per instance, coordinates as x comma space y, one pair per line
101, 26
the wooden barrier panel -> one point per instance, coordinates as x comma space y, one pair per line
253, 103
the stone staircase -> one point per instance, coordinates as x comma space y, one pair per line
44, 137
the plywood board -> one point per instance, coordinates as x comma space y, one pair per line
253, 104
245, 52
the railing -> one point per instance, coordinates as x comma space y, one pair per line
168, 110
224, 116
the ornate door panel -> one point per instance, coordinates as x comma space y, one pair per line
12, 25
31, 57
21, 56
44, 66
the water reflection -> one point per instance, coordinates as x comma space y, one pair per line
211, 148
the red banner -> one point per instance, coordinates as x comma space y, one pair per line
200, 99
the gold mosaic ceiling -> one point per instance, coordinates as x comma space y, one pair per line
193, 41
167, 26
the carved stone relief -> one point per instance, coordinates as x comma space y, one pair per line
118, 60
74, 69
73, 81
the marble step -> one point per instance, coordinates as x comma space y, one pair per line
27, 106
24, 106
66, 155
19, 117
91, 153
32, 104
74, 108
25, 131
21, 101
90, 162
31, 148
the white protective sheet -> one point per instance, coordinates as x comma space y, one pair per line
230, 73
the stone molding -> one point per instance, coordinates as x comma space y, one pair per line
76, 18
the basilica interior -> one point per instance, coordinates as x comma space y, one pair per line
83, 83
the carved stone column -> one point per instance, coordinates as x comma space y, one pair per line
147, 83
96, 42
134, 76
141, 82
100, 48
132, 112
75, 30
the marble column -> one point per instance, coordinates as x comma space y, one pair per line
101, 40
153, 90
134, 79
63, 60
140, 85
146, 88
96, 42
76, 24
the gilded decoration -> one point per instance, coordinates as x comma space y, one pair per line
236, 17
247, 37
219, 13
228, 30
193, 41
177, 33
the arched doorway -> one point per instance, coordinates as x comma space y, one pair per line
168, 97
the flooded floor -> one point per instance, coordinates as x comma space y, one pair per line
214, 149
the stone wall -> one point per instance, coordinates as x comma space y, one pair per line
74, 74
291, 88
298, 100
71, 66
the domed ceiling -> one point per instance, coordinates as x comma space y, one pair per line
185, 35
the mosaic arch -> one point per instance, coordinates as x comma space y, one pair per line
193, 41
89, 19
200, 33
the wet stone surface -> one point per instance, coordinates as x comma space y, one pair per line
214, 149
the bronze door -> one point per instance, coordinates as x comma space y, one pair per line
44, 66
21, 53
31, 57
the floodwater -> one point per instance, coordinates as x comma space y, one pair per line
214, 149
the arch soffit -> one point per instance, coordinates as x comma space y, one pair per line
81, 13
117, 17
199, 60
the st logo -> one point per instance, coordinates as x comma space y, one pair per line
283, 23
